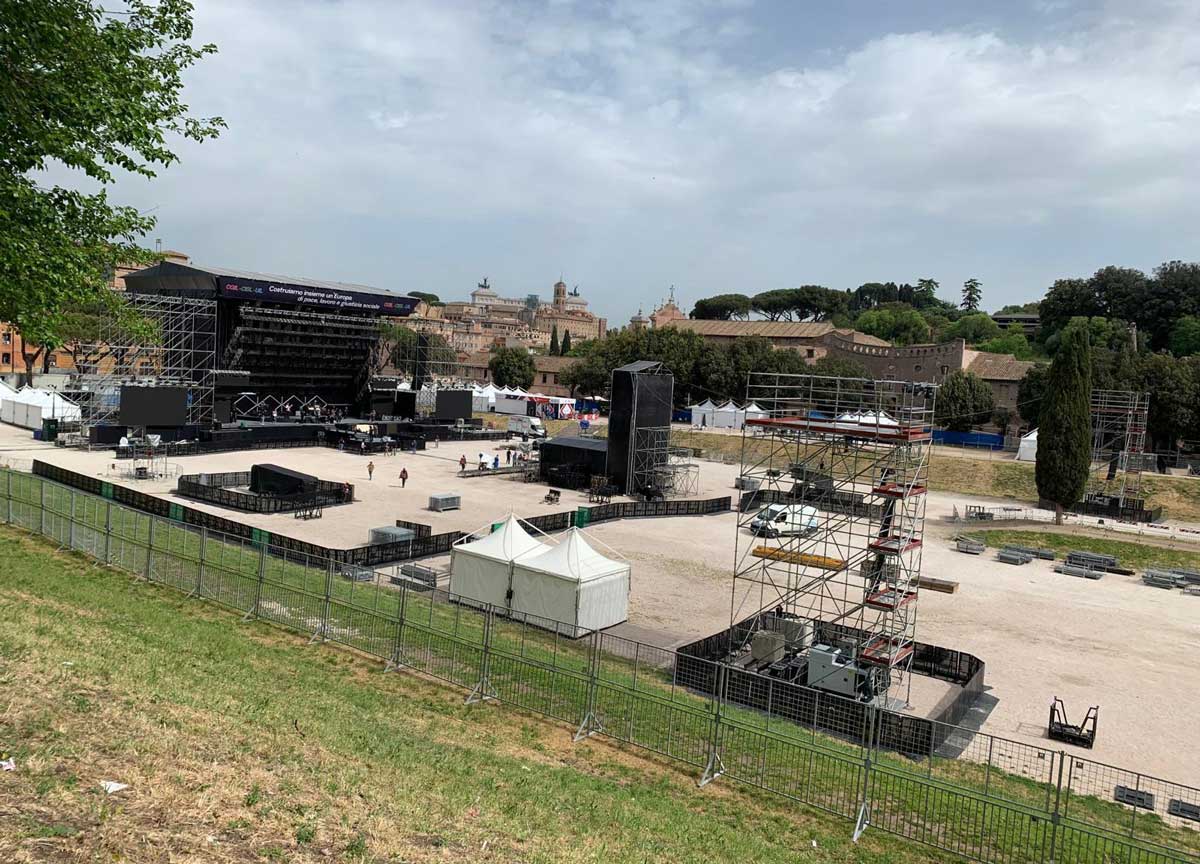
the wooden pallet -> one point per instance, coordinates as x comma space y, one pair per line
805, 559
942, 586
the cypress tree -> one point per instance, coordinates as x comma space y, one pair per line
553, 340
566, 344
1064, 452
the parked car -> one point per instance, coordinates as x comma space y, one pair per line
785, 520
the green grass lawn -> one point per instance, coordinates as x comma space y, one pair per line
239, 743
528, 670
1136, 555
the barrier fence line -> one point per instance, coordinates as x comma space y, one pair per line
640, 695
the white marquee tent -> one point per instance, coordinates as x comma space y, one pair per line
1027, 449
726, 416
754, 412
29, 405
482, 570
572, 584
702, 413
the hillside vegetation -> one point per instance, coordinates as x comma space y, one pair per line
241, 744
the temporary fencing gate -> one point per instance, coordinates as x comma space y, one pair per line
985, 798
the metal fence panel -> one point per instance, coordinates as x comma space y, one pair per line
972, 794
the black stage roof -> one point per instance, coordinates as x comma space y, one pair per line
194, 280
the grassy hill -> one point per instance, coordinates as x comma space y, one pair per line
241, 744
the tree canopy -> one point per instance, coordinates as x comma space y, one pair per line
901, 326
972, 294
1065, 432
722, 307
511, 367
973, 328
98, 93
964, 400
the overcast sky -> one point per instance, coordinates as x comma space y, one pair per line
717, 146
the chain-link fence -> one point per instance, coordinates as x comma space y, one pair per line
975, 795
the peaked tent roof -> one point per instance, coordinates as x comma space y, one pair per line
574, 558
706, 405
506, 543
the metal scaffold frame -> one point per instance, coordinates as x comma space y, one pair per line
182, 353
850, 458
1119, 419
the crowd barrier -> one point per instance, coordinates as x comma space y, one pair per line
995, 801
218, 489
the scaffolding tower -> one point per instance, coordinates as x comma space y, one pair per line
836, 474
181, 352
1119, 419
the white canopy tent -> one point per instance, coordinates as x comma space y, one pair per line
702, 413
1027, 449
726, 416
28, 406
481, 570
754, 412
571, 587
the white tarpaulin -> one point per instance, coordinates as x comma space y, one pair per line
482, 570
573, 584
1027, 449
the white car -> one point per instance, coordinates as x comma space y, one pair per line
785, 520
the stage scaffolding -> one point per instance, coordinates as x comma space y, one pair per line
1119, 419
854, 454
182, 353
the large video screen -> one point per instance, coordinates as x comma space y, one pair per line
453, 405
154, 406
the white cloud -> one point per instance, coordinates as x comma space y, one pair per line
646, 128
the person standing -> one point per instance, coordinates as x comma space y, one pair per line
370, 470
496, 462
462, 462
403, 477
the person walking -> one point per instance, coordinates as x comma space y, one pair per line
496, 462
403, 477
370, 470
462, 462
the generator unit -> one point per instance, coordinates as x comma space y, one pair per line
836, 671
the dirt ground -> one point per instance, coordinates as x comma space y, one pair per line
1116, 643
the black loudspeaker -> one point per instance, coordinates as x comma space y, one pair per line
421, 367
383, 404
406, 404
223, 409
106, 434
641, 398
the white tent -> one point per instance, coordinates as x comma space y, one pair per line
726, 416
1027, 449
30, 405
702, 413
571, 584
482, 570
754, 412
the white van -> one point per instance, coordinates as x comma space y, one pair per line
778, 520
526, 427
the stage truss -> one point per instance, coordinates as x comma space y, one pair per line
182, 353
651, 455
856, 453
1119, 419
